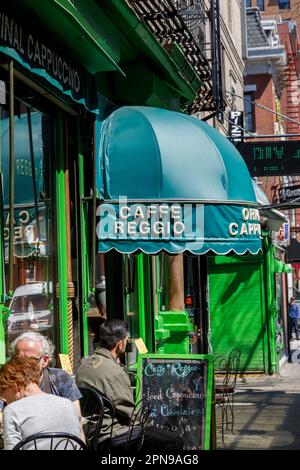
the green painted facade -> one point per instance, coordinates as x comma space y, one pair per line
128, 66
115, 52
243, 308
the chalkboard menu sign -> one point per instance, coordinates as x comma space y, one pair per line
178, 389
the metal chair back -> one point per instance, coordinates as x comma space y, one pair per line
225, 390
95, 406
139, 417
234, 359
110, 411
51, 441
92, 412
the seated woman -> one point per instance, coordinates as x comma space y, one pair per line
29, 410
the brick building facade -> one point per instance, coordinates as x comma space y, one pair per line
276, 87
265, 85
287, 9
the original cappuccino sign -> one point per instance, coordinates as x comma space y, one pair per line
34, 50
289, 193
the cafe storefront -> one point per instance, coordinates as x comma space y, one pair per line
171, 191
58, 71
45, 95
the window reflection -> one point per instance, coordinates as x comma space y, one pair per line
31, 303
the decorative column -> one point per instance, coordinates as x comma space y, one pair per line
65, 287
176, 283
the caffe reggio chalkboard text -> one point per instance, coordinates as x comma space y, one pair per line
176, 391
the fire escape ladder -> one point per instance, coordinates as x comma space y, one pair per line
184, 22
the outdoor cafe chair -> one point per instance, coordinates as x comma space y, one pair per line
221, 365
225, 390
94, 405
51, 441
139, 417
234, 366
92, 412
135, 382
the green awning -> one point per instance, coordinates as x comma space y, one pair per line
168, 181
90, 48
57, 45
281, 267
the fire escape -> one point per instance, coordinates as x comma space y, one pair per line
291, 74
187, 23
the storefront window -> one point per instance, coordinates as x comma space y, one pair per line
31, 304
183, 295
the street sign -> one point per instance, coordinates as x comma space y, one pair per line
236, 123
271, 158
289, 193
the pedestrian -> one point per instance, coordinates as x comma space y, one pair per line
293, 317
103, 371
29, 410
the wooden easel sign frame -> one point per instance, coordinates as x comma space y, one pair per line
178, 390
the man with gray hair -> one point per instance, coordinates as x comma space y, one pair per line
55, 381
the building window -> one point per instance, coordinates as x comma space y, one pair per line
31, 306
248, 3
261, 5
284, 4
249, 112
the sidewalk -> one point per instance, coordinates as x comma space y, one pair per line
267, 411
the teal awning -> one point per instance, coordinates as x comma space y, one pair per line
184, 186
271, 219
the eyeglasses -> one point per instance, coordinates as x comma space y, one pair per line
37, 359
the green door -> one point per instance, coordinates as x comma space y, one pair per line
237, 312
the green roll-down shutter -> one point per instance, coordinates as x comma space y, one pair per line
236, 312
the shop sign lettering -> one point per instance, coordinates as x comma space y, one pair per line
150, 221
26, 236
24, 231
37, 52
250, 224
190, 222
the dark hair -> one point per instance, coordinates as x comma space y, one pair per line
111, 332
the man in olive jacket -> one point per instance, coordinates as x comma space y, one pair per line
103, 371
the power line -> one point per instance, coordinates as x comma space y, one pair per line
263, 107
250, 134
239, 126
